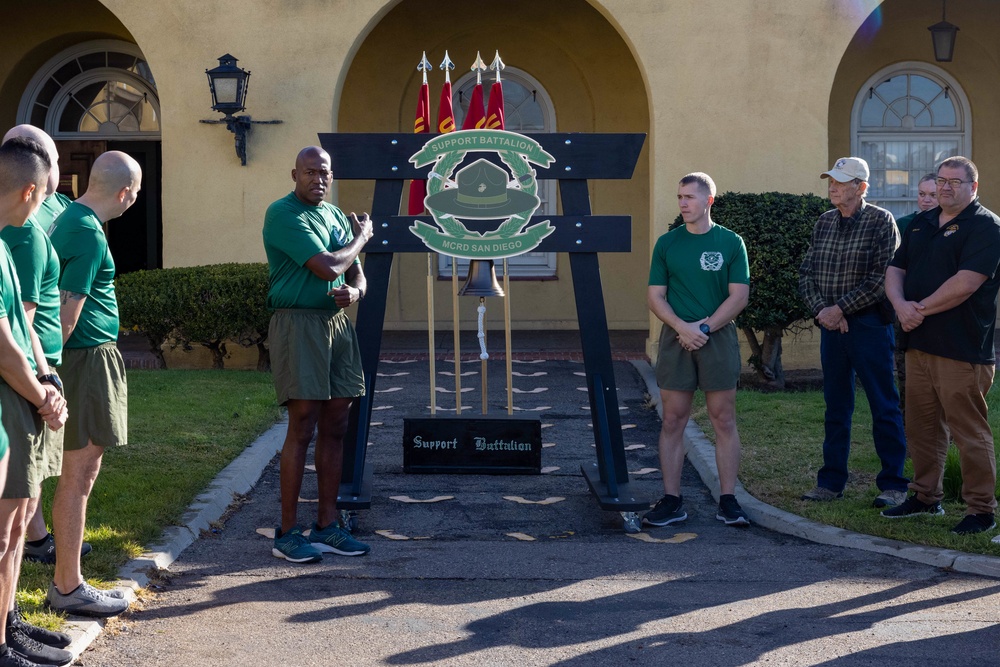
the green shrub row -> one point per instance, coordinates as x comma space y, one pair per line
198, 305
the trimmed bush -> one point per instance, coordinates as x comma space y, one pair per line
777, 228
204, 305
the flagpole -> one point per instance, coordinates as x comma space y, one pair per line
430, 330
506, 324
455, 331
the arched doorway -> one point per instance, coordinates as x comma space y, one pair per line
98, 96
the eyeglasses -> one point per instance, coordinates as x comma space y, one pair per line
953, 182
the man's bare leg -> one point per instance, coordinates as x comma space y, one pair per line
69, 512
330, 456
722, 413
676, 412
302, 418
36, 528
9, 510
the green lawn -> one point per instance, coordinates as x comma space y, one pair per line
782, 436
184, 427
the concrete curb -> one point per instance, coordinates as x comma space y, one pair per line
235, 479
701, 454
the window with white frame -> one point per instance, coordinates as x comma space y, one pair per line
527, 109
906, 119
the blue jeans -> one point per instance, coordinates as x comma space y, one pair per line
865, 350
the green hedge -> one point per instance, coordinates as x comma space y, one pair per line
777, 228
198, 305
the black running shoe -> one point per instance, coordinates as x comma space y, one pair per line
669, 509
48, 637
730, 511
975, 523
913, 507
36, 652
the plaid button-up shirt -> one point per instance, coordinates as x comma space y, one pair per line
846, 262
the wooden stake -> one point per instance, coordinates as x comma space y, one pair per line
458, 352
506, 324
430, 329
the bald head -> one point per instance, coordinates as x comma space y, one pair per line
31, 132
112, 172
312, 175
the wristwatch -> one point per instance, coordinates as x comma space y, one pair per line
705, 329
51, 379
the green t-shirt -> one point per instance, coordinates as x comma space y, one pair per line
697, 269
87, 268
11, 306
904, 222
37, 268
294, 232
50, 209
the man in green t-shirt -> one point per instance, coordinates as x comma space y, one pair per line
37, 269
27, 405
93, 370
699, 281
312, 251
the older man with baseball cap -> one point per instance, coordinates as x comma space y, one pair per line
842, 280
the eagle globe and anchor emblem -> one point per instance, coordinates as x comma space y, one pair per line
482, 191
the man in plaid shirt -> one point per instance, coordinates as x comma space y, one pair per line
842, 280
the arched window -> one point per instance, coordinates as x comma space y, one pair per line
95, 90
526, 109
906, 119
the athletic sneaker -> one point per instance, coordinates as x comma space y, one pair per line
912, 507
48, 637
36, 651
822, 494
9, 658
730, 511
46, 551
669, 509
85, 600
974, 523
889, 498
335, 540
294, 547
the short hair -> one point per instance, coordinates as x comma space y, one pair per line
702, 180
927, 177
957, 161
23, 161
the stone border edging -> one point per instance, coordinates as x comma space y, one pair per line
701, 454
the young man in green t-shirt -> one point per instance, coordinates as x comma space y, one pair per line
312, 251
27, 403
93, 371
699, 281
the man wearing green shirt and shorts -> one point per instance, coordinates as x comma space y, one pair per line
93, 371
312, 251
28, 404
699, 281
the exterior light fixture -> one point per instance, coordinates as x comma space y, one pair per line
228, 85
943, 36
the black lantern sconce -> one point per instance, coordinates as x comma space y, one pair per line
943, 35
228, 84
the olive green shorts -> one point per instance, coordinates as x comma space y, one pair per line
96, 396
23, 426
314, 356
714, 367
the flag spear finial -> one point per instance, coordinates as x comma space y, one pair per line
497, 65
479, 67
424, 66
447, 66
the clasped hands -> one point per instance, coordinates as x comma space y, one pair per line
53, 411
690, 336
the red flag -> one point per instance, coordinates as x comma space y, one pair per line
475, 118
446, 115
494, 115
421, 124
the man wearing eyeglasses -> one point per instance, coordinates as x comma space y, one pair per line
947, 306
842, 281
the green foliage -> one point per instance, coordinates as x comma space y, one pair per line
776, 228
205, 305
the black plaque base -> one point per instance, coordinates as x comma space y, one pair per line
501, 445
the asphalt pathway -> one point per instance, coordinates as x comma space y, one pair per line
527, 570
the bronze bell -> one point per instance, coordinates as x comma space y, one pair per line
482, 280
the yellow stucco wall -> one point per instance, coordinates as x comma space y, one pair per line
902, 36
738, 89
594, 85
